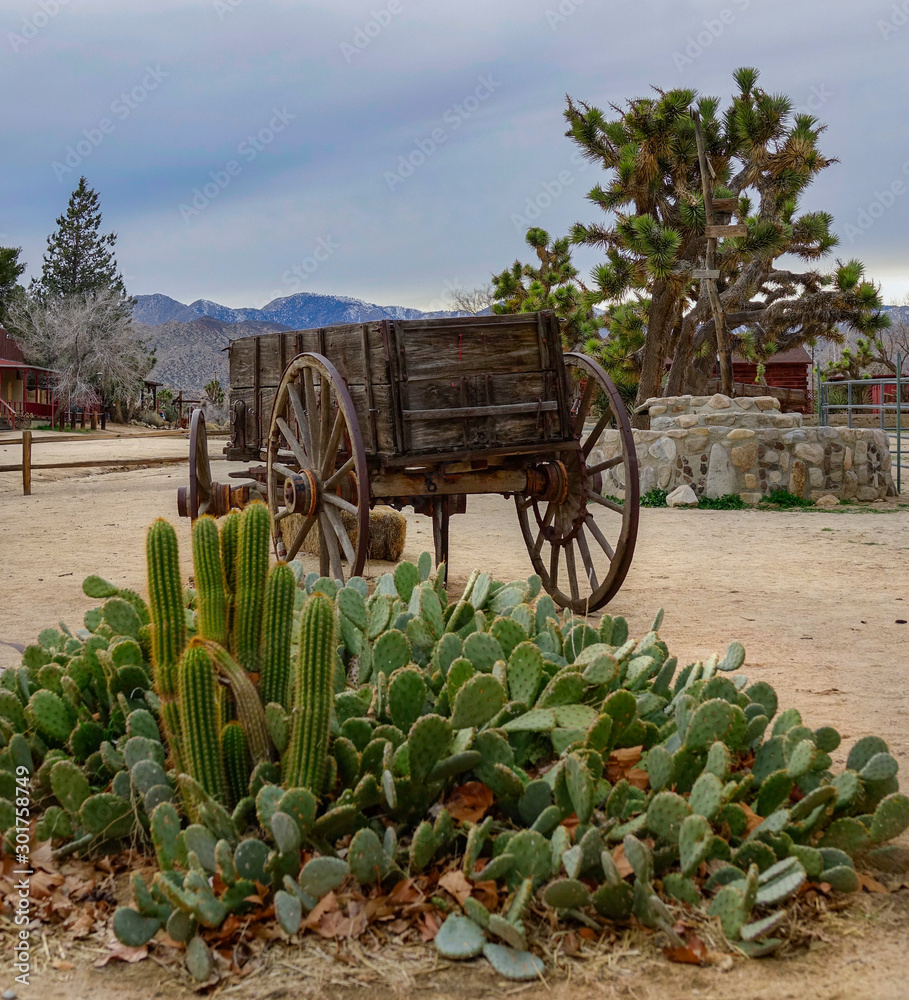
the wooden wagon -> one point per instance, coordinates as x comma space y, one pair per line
424, 413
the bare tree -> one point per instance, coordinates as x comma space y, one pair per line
88, 341
472, 301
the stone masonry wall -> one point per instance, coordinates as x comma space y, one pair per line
746, 446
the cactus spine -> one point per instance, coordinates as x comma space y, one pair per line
168, 624
251, 569
277, 626
304, 762
236, 760
201, 715
212, 599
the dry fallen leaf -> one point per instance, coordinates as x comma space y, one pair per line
622, 863
870, 884
753, 819
469, 803
122, 953
456, 883
693, 952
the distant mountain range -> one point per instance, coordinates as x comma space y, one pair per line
302, 311
189, 340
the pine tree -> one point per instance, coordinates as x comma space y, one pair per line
10, 271
80, 258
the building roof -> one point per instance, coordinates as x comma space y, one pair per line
6, 363
794, 356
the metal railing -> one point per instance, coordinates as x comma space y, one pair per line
881, 408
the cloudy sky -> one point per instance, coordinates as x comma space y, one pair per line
391, 149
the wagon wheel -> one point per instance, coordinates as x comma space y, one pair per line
23, 421
316, 467
196, 499
585, 540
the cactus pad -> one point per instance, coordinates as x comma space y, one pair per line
477, 701
459, 937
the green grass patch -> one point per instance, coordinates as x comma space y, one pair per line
783, 498
729, 501
654, 498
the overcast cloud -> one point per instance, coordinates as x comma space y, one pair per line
402, 144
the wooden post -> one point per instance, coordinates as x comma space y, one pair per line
82, 419
94, 420
26, 463
723, 348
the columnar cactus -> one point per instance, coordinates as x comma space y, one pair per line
168, 621
211, 607
200, 715
230, 532
277, 627
251, 570
236, 759
304, 762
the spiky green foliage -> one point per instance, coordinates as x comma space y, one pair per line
168, 623
277, 629
211, 610
763, 154
251, 572
304, 762
200, 716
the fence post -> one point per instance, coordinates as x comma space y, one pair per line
899, 426
26, 463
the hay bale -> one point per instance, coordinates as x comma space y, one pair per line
387, 533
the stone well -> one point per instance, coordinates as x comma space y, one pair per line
746, 446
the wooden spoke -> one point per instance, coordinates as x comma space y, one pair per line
584, 549
572, 571
596, 433
329, 540
597, 547
610, 463
338, 525
293, 394
584, 406
309, 392
337, 501
325, 407
339, 474
602, 540
281, 469
300, 536
547, 520
603, 502
295, 446
331, 451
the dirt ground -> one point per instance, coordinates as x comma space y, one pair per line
820, 600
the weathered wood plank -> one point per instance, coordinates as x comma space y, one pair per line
469, 349
725, 204
703, 272
505, 409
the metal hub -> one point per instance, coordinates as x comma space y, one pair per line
301, 493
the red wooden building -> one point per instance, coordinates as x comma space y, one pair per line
787, 373
26, 391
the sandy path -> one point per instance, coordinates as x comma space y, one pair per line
815, 597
